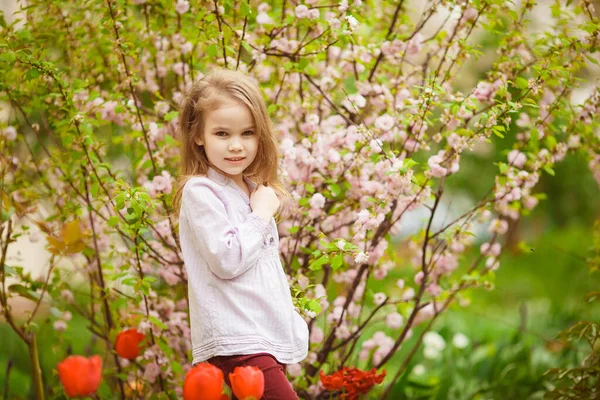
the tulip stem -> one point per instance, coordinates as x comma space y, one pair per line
36, 371
8, 367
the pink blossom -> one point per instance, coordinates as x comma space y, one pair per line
492, 263
316, 335
10, 133
516, 158
523, 120
530, 202
394, 320
484, 92
470, 14
424, 314
301, 11
186, 47
151, 372
419, 277
182, 6
491, 249
181, 68
434, 289
384, 122
434, 164
408, 294
60, 325
263, 18
303, 282
67, 295
294, 370
415, 44
498, 225
169, 276
342, 332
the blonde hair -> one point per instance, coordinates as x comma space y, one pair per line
207, 94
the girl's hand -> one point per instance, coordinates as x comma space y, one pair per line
264, 202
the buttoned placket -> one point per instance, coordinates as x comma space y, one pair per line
221, 179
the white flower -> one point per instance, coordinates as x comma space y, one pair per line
379, 298
419, 370
431, 353
460, 341
434, 340
352, 22
361, 258
317, 200
340, 244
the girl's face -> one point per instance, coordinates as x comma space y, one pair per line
230, 135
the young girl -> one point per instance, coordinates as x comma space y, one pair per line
241, 310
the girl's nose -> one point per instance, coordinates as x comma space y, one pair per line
235, 146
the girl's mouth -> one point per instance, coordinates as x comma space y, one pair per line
237, 160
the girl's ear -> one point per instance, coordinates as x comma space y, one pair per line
199, 141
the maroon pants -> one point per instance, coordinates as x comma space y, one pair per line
277, 387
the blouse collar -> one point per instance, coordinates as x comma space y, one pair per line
224, 180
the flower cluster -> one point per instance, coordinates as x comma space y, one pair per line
351, 382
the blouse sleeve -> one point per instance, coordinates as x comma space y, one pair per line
229, 249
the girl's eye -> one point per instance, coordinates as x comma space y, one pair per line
249, 133
219, 133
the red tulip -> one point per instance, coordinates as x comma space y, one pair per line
204, 381
247, 383
80, 376
128, 342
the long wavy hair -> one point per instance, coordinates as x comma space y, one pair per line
207, 94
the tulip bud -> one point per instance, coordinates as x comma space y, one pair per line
80, 376
247, 383
128, 342
204, 381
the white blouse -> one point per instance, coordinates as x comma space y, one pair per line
240, 301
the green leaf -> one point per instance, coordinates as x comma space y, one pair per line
157, 322
335, 189
350, 85
170, 116
337, 261
522, 83
314, 305
24, 292
317, 265
212, 50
